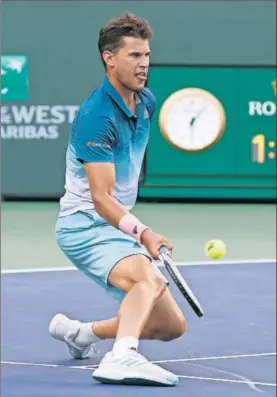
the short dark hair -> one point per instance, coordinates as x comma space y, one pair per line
126, 25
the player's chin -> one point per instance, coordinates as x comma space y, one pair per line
138, 85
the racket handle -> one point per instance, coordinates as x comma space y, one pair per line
163, 250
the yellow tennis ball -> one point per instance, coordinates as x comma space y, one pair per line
215, 249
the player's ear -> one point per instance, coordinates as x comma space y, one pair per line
108, 57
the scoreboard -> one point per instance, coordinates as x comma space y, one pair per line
213, 134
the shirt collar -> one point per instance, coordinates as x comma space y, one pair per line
117, 98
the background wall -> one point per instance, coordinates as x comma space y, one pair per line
60, 41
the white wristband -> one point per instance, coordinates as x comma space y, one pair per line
131, 225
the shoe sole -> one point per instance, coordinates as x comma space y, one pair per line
131, 382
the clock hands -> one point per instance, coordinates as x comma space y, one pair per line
192, 121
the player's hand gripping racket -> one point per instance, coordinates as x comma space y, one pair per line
165, 258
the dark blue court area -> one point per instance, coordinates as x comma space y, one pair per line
230, 352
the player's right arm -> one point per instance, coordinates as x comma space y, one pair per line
101, 178
95, 139
94, 148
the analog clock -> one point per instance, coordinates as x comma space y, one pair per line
192, 119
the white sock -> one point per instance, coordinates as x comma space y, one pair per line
121, 347
86, 335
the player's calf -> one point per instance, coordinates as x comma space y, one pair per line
174, 331
168, 331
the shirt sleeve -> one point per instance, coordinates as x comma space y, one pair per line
151, 103
94, 139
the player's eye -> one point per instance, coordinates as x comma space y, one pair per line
135, 54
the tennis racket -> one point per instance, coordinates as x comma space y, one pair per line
166, 260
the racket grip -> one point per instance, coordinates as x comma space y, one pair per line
163, 250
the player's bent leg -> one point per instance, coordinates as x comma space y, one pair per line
136, 276
166, 321
108, 256
94, 247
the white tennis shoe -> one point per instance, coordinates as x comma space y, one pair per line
66, 330
132, 369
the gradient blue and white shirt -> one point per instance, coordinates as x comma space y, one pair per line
106, 130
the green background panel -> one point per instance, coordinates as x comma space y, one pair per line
226, 169
64, 67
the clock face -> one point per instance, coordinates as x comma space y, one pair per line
192, 119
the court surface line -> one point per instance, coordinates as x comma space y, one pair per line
254, 383
155, 361
181, 264
249, 382
179, 360
227, 380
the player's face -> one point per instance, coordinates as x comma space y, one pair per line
131, 63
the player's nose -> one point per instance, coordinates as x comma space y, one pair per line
144, 62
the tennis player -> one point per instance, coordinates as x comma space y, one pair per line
95, 228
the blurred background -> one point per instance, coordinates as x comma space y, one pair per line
224, 189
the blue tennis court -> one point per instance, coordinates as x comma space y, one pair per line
231, 351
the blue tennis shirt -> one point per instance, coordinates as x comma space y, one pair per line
106, 130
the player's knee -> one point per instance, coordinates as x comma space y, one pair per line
157, 284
